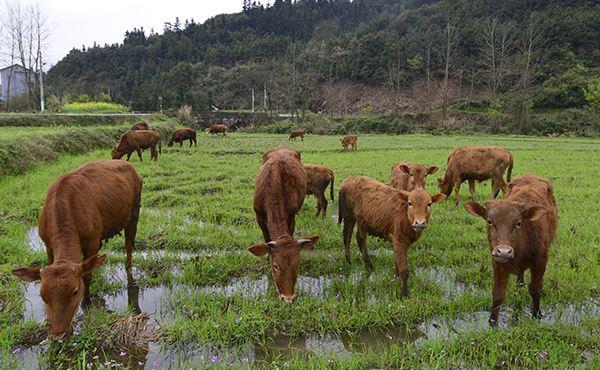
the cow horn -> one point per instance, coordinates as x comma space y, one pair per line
272, 244
304, 241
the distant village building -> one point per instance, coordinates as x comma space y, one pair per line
17, 75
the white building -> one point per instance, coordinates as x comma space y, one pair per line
14, 76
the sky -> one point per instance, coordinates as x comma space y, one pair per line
81, 22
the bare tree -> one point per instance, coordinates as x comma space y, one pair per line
448, 52
496, 45
428, 49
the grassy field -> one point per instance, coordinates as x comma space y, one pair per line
214, 302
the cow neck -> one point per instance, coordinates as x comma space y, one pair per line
67, 247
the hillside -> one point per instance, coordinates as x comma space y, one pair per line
545, 52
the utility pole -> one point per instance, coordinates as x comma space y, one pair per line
160, 101
252, 100
265, 98
41, 82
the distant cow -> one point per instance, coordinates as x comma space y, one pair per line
395, 215
296, 133
478, 163
183, 134
520, 229
137, 141
217, 129
278, 196
319, 178
349, 141
140, 126
406, 176
82, 208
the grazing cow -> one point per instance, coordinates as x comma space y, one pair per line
406, 176
278, 196
93, 203
217, 129
319, 178
296, 133
349, 141
520, 229
140, 126
137, 141
183, 134
478, 163
395, 215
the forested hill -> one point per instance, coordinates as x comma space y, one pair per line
294, 48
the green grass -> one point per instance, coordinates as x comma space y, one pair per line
200, 201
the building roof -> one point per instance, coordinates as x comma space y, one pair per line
17, 66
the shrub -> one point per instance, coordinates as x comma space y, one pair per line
184, 114
564, 91
592, 95
93, 107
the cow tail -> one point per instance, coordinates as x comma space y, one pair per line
331, 187
510, 168
160, 146
341, 203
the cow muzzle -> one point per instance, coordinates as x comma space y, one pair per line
58, 336
503, 253
287, 298
419, 225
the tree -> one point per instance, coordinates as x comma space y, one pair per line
496, 44
448, 54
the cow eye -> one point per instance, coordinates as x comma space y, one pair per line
409, 203
490, 222
429, 205
411, 175
518, 224
276, 268
75, 292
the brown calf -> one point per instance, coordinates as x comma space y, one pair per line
520, 229
380, 210
82, 208
406, 176
478, 163
183, 134
140, 126
278, 196
319, 178
137, 141
296, 133
217, 129
349, 141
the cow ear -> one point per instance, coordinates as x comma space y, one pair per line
475, 209
534, 213
259, 250
92, 264
405, 168
432, 169
308, 243
438, 198
404, 194
27, 274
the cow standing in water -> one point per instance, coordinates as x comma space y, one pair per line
395, 215
520, 230
93, 203
478, 163
406, 176
278, 196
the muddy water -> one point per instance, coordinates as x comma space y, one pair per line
33, 240
445, 278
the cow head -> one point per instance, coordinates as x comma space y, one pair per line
417, 173
418, 203
445, 185
504, 219
116, 154
284, 259
61, 289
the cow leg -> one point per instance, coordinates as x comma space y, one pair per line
129, 156
347, 233
181, 144
498, 293
361, 238
154, 153
91, 248
321, 203
139, 152
131, 231
535, 287
263, 227
401, 262
472, 190
318, 207
456, 192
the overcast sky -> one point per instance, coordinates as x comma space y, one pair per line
81, 22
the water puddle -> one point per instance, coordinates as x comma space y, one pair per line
33, 240
446, 279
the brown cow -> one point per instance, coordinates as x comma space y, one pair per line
143, 125
380, 210
406, 176
278, 196
520, 229
281, 150
296, 133
93, 203
137, 141
183, 134
319, 178
349, 141
217, 129
478, 163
